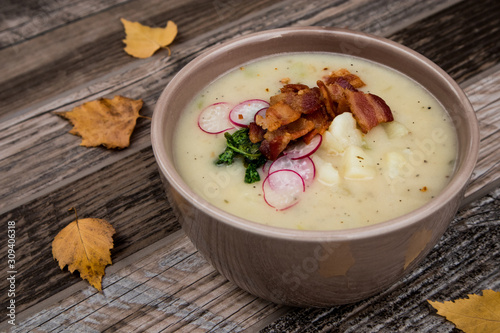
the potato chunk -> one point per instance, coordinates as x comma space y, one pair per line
326, 173
395, 129
398, 166
357, 165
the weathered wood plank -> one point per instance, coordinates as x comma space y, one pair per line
466, 260
175, 245
80, 52
21, 21
483, 89
128, 194
487, 171
62, 154
455, 39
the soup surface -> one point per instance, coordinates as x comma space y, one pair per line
359, 179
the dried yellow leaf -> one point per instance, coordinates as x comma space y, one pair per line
473, 314
107, 122
143, 41
84, 245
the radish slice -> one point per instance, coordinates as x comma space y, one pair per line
301, 149
244, 113
304, 167
261, 112
214, 118
282, 189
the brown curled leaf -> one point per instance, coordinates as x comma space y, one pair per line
107, 122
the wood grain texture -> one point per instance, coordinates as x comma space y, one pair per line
128, 194
80, 52
442, 38
487, 170
22, 21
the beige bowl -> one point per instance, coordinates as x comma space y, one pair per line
311, 268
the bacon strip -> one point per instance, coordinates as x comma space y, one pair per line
328, 99
277, 115
271, 149
255, 132
321, 121
297, 129
299, 97
302, 112
345, 79
276, 141
369, 110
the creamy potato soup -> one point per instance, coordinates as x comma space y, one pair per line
358, 179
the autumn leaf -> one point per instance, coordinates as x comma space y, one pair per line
84, 245
143, 41
473, 314
107, 122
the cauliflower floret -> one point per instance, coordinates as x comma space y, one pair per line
342, 134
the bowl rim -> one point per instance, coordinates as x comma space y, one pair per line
167, 168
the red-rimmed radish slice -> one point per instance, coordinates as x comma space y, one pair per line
301, 149
304, 167
214, 118
283, 188
261, 112
244, 113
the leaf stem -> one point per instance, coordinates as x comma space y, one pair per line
76, 215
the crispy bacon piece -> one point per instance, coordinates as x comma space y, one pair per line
328, 100
277, 115
299, 97
334, 98
276, 141
255, 132
369, 110
293, 87
321, 120
302, 112
297, 129
345, 79
271, 149
288, 106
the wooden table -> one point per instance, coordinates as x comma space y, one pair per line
55, 55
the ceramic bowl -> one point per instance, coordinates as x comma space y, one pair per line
311, 268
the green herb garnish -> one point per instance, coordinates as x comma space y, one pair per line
239, 144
